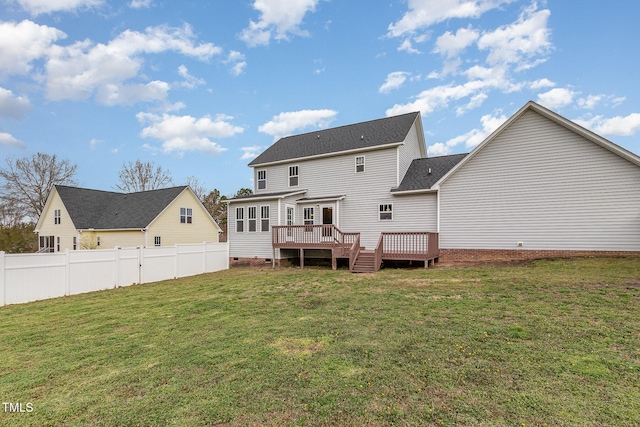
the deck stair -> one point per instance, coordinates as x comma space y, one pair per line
365, 263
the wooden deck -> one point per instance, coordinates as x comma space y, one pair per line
410, 246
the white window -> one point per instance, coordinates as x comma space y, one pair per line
360, 164
308, 217
293, 176
386, 212
56, 216
264, 218
186, 215
239, 220
253, 221
262, 179
58, 244
157, 241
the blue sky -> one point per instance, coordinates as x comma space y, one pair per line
200, 88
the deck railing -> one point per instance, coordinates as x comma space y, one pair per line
354, 251
311, 236
412, 245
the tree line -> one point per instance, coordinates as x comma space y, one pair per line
27, 182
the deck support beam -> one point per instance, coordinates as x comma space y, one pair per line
301, 258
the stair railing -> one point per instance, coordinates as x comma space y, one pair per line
354, 251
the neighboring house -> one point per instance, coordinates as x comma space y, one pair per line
80, 218
540, 185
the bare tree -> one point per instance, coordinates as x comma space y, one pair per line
29, 180
197, 188
140, 176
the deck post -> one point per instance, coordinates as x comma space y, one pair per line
334, 260
301, 258
273, 260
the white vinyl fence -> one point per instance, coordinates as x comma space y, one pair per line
32, 277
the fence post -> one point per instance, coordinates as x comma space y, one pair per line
175, 264
116, 279
3, 292
204, 257
67, 273
140, 264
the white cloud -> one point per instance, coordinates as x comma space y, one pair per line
541, 84
475, 102
395, 80
590, 101
95, 142
186, 133
190, 82
439, 97
13, 106
237, 62
450, 45
36, 7
83, 68
556, 98
278, 19
250, 153
287, 123
424, 13
520, 41
22, 43
407, 46
618, 126
140, 4
470, 139
7, 140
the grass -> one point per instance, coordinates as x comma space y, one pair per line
547, 343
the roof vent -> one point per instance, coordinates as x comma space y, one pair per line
318, 136
429, 171
361, 136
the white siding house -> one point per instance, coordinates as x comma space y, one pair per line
538, 183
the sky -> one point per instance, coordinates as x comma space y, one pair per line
201, 88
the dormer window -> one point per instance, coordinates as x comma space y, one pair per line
56, 216
293, 176
360, 164
262, 180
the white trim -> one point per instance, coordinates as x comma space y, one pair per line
379, 212
409, 192
297, 175
438, 212
262, 218
293, 217
235, 229
255, 218
355, 164
260, 198
258, 179
333, 153
398, 166
326, 199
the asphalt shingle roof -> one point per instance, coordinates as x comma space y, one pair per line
108, 210
418, 176
350, 137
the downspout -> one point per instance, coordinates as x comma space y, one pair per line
144, 230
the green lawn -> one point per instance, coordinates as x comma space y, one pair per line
548, 343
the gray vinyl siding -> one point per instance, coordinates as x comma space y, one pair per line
251, 244
357, 212
407, 152
546, 186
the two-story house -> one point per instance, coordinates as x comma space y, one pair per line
540, 185
81, 218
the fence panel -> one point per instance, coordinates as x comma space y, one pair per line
33, 277
128, 266
91, 270
217, 257
190, 259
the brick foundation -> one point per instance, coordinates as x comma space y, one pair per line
257, 262
464, 255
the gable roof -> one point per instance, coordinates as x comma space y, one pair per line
423, 173
358, 136
108, 210
555, 117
